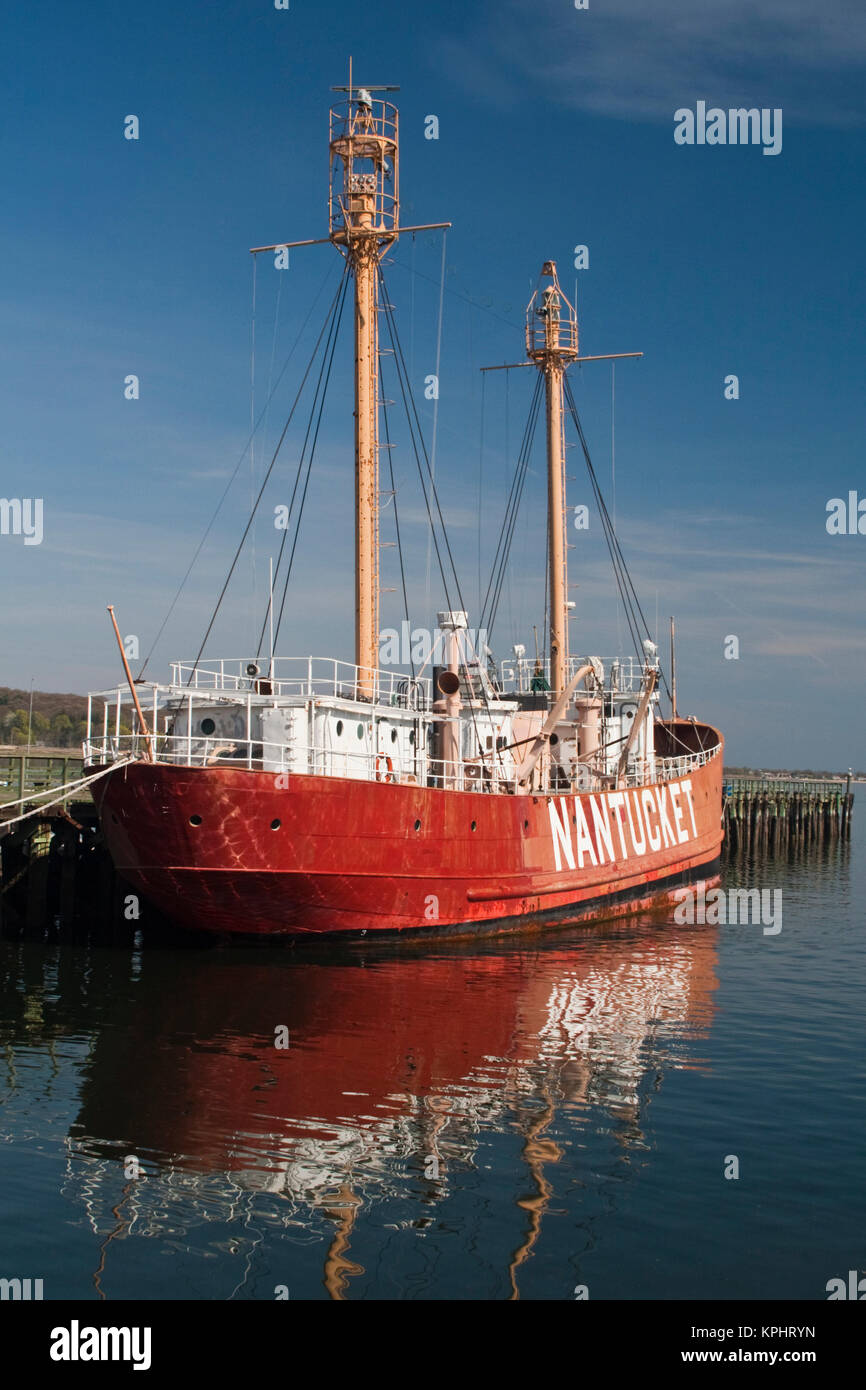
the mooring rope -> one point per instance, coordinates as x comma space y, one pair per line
78, 784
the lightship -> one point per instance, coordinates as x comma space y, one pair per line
297, 797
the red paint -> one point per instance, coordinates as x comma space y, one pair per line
346, 855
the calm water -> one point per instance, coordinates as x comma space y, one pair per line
467, 1123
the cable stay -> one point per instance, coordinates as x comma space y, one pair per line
431, 498
499, 569
318, 401
337, 300
628, 594
228, 487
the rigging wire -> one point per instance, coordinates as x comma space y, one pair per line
633, 612
329, 349
231, 481
613, 478
324, 392
436, 397
390, 452
253, 415
631, 603
499, 569
467, 298
266, 420
268, 474
481, 482
273, 357
625, 586
417, 439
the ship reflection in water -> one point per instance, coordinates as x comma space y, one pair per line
426, 1099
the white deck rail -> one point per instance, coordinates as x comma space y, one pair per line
370, 765
301, 677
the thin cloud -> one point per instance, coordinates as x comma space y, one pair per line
630, 59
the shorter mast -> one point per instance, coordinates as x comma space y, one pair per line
552, 347
551, 343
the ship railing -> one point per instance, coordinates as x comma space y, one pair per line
297, 757
775, 784
373, 765
621, 675
667, 769
305, 677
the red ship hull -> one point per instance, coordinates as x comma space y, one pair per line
232, 851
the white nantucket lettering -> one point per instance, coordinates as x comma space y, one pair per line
682, 833
561, 832
639, 846
584, 842
667, 832
647, 801
616, 801
601, 825
687, 788
656, 819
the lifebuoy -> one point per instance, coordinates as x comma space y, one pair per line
388, 775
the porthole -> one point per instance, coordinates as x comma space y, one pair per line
275, 825
207, 726
339, 727
195, 820
360, 731
526, 825
393, 735
474, 825
417, 825
554, 740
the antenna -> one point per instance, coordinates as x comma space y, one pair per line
673, 673
271, 614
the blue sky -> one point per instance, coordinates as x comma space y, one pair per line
556, 129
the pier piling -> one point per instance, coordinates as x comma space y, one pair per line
775, 814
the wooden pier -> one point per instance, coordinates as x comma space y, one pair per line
57, 878
22, 772
58, 883
774, 814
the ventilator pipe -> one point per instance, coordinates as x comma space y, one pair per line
449, 728
542, 738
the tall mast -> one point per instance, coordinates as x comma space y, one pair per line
364, 214
551, 343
